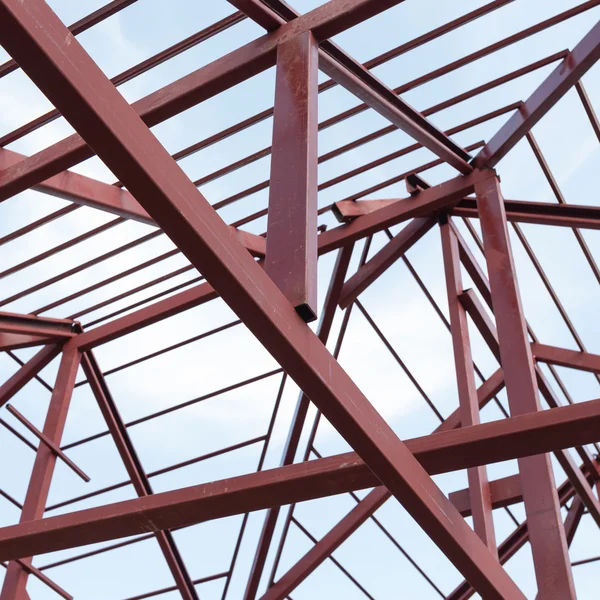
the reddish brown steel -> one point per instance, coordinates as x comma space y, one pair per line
13, 341
291, 256
135, 470
55, 62
125, 144
24, 375
384, 259
479, 489
43, 468
583, 361
438, 453
546, 532
299, 419
358, 515
556, 85
503, 492
44, 439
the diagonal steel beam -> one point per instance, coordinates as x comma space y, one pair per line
135, 470
384, 259
479, 489
336, 536
27, 372
15, 580
551, 90
86, 191
57, 63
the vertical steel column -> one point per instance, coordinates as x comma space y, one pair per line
291, 256
546, 531
479, 489
43, 467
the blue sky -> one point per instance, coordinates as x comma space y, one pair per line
395, 301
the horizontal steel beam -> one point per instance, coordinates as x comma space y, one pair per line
503, 492
511, 438
38, 326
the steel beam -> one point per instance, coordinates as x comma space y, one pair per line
503, 492
539, 213
384, 259
135, 470
364, 510
27, 372
546, 531
38, 326
43, 468
14, 341
44, 439
583, 361
526, 435
85, 191
291, 257
56, 62
551, 90
479, 489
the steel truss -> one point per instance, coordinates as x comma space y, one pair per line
270, 283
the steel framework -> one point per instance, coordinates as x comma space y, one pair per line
270, 281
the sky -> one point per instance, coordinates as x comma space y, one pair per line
395, 301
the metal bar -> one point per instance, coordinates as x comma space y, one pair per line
441, 452
291, 256
479, 488
24, 375
29, 324
291, 446
80, 26
541, 213
384, 259
589, 109
135, 470
44, 439
43, 468
546, 531
573, 519
358, 515
583, 361
14, 341
237, 66
503, 492
554, 87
